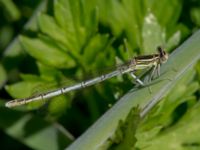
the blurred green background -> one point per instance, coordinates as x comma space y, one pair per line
49, 44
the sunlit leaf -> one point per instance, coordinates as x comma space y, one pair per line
46, 52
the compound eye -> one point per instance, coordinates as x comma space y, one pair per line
161, 51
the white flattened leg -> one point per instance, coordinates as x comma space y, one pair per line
135, 77
152, 73
158, 70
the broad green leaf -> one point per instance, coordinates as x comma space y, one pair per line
183, 135
48, 26
153, 34
22, 89
47, 52
181, 60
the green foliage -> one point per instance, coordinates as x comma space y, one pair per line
125, 133
148, 99
11, 9
69, 39
170, 116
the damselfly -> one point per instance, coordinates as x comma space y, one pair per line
137, 63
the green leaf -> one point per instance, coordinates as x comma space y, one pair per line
47, 52
127, 15
173, 138
33, 131
3, 76
179, 62
195, 15
125, 133
163, 115
14, 50
22, 89
49, 27
78, 21
96, 45
174, 40
58, 106
152, 34
50, 74
11, 10
72, 30
114, 10
167, 12
134, 18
